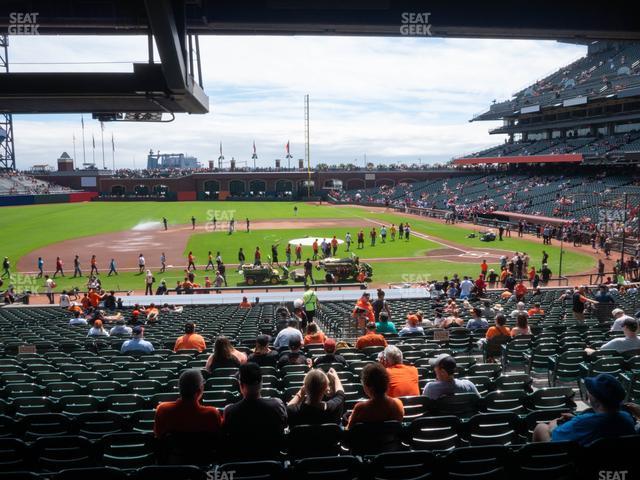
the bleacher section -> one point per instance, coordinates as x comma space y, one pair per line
597, 75
21, 184
528, 193
78, 403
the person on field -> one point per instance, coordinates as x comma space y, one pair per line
76, 267
148, 282
94, 265
58, 268
40, 268
112, 268
5, 268
141, 263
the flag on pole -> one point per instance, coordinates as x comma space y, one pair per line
254, 147
93, 139
82, 120
113, 144
220, 148
287, 147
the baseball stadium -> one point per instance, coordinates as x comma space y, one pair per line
475, 317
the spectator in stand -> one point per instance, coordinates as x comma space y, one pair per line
605, 394
190, 340
97, 330
412, 327
383, 325
477, 321
629, 342
294, 356
314, 335
121, 329
579, 299
242, 418
499, 327
262, 354
371, 338
603, 295
224, 356
522, 325
488, 312
137, 344
519, 310
330, 355
535, 310
77, 319
445, 384
380, 305
309, 407
380, 407
285, 335
364, 305
245, 303
187, 414
403, 379
520, 290
619, 319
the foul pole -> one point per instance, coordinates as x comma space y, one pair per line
306, 144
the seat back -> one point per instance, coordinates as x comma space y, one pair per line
417, 465
434, 433
374, 438
314, 440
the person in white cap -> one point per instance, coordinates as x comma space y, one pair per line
619, 318
519, 309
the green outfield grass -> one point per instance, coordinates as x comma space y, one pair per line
572, 262
228, 245
24, 229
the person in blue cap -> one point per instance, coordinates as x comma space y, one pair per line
605, 419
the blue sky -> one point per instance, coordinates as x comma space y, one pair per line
393, 99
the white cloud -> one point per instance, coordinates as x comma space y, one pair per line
394, 99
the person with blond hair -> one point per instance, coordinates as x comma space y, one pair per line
320, 400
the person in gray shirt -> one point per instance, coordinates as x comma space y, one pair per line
620, 317
630, 341
445, 383
120, 329
286, 334
476, 320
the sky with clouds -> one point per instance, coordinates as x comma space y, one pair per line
391, 99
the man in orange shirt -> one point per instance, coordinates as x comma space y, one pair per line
245, 303
403, 379
364, 302
535, 310
314, 335
520, 290
186, 414
371, 338
94, 298
190, 340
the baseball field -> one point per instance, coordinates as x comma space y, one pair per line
124, 230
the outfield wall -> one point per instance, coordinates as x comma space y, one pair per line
16, 200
